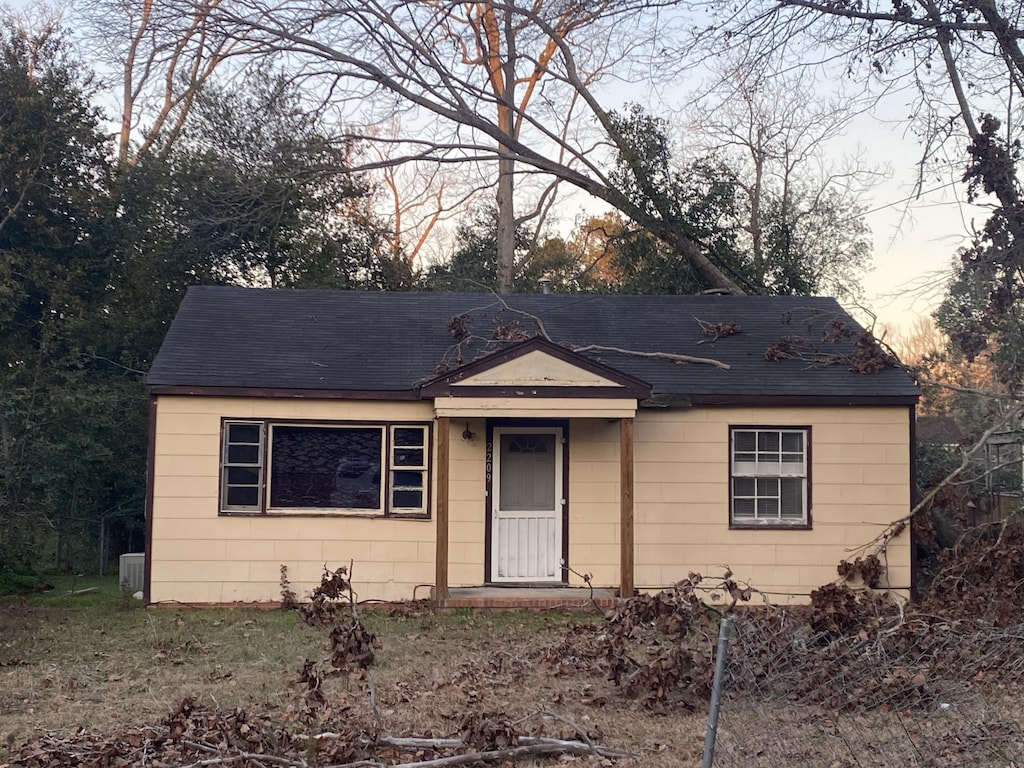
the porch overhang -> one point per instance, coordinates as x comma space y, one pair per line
531, 407
535, 379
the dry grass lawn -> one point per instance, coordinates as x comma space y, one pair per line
66, 668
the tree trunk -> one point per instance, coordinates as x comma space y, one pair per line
506, 233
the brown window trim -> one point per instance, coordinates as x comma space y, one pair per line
802, 525
383, 513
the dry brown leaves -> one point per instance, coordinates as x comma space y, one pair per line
837, 343
658, 648
191, 734
982, 580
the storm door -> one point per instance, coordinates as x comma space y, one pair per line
527, 505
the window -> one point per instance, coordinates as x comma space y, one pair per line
769, 476
242, 461
365, 469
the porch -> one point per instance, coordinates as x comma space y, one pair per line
532, 598
524, 403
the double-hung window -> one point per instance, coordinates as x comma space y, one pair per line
769, 476
324, 468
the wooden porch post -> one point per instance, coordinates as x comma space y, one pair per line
626, 507
441, 512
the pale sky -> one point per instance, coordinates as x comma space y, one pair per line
915, 238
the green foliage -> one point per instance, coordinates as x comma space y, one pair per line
258, 192
54, 268
93, 264
984, 308
699, 203
808, 243
813, 244
474, 264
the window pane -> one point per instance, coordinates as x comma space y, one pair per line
744, 441
767, 507
743, 486
527, 475
793, 441
326, 467
743, 508
793, 458
409, 436
243, 475
243, 454
768, 441
408, 499
767, 486
243, 433
409, 457
792, 502
243, 496
747, 457
408, 479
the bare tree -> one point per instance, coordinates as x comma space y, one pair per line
515, 55
375, 57
962, 64
802, 215
164, 54
417, 199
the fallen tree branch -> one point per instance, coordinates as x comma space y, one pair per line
655, 355
251, 757
537, 748
897, 526
534, 745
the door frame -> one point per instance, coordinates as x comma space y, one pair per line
491, 457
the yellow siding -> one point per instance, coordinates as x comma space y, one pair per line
859, 482
202, 557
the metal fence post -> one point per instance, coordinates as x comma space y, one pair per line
711, 735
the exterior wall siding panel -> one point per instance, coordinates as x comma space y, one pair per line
859, 482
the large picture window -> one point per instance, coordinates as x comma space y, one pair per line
368, 469
769, 476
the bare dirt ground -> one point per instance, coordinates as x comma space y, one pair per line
73, 681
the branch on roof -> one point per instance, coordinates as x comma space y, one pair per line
868, 355
726, 329
654, 355
541, 330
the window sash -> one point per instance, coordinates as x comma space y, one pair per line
408, 470
233, 469
769, 476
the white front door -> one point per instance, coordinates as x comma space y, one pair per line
526, 504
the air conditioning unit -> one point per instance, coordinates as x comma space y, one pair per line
132, 568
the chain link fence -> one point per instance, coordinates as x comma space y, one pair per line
905, 691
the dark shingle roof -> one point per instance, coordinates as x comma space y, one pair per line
337, 340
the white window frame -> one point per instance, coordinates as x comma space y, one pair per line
394, 468
387, 463
227, 465
763, 465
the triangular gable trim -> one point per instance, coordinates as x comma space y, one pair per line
465, 381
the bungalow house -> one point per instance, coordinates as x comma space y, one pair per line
445, 441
